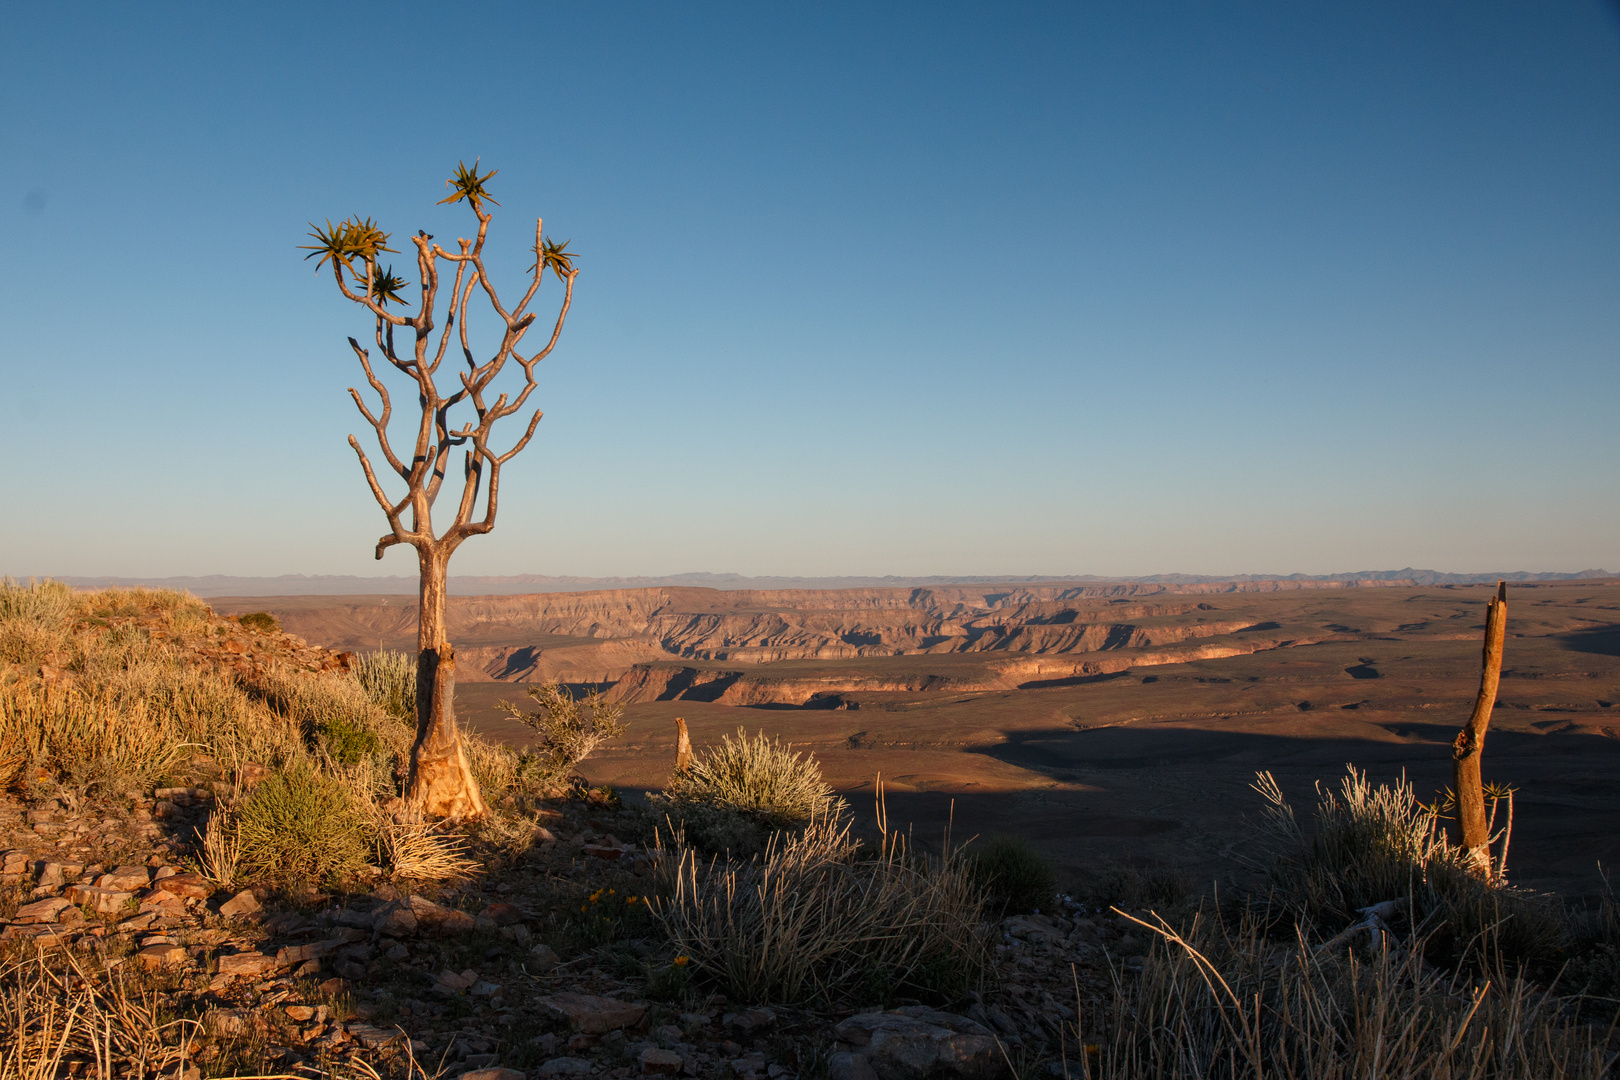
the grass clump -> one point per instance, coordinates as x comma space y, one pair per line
818, 919
389, 680
1016, 879
36, 602
300, 825
734, 796
1373, 843
1224, 1000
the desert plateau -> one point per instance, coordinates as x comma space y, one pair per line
1103, 722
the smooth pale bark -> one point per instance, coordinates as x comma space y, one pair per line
1470, 741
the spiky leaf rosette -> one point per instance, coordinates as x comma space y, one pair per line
467, 184
556, 257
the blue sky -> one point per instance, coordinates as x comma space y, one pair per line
865, 289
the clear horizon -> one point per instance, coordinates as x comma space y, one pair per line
907, 291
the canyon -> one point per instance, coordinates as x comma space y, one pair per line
1112, 724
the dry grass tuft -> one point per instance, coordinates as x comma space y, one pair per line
417, 852
56, 1010
816, 919
1223, 1002
389, 680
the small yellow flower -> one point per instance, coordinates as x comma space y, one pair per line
630, 899
680, 961
584, 907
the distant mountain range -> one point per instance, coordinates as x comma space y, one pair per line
346, 584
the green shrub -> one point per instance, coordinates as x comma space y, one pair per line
389, 680
346, 741
1015, 877
262, 621
303, 826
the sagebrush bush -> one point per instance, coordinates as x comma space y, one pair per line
389, 680
817, 919
303, 826
262, 621
1016, 879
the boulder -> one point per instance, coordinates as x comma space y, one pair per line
591, 1015
544, 958
504, 914
746, 1022
918, 1043
373, 1037
395, 920
157, 957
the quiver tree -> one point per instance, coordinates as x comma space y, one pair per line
441, 782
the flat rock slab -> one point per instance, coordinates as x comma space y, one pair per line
245, 964
42, 911
373, 1037
157, 957
591, 1015
101, 901
656, 1062
187, 886
918, 1043
125, 879
567, 1066
243, 903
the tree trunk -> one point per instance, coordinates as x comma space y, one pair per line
1470, 741
683, 746
441, 781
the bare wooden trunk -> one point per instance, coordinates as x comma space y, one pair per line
441, 782
1470, 741
683, 746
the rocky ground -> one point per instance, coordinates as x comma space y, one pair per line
547, 964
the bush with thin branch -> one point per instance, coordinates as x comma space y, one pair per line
760, 778
568, 729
